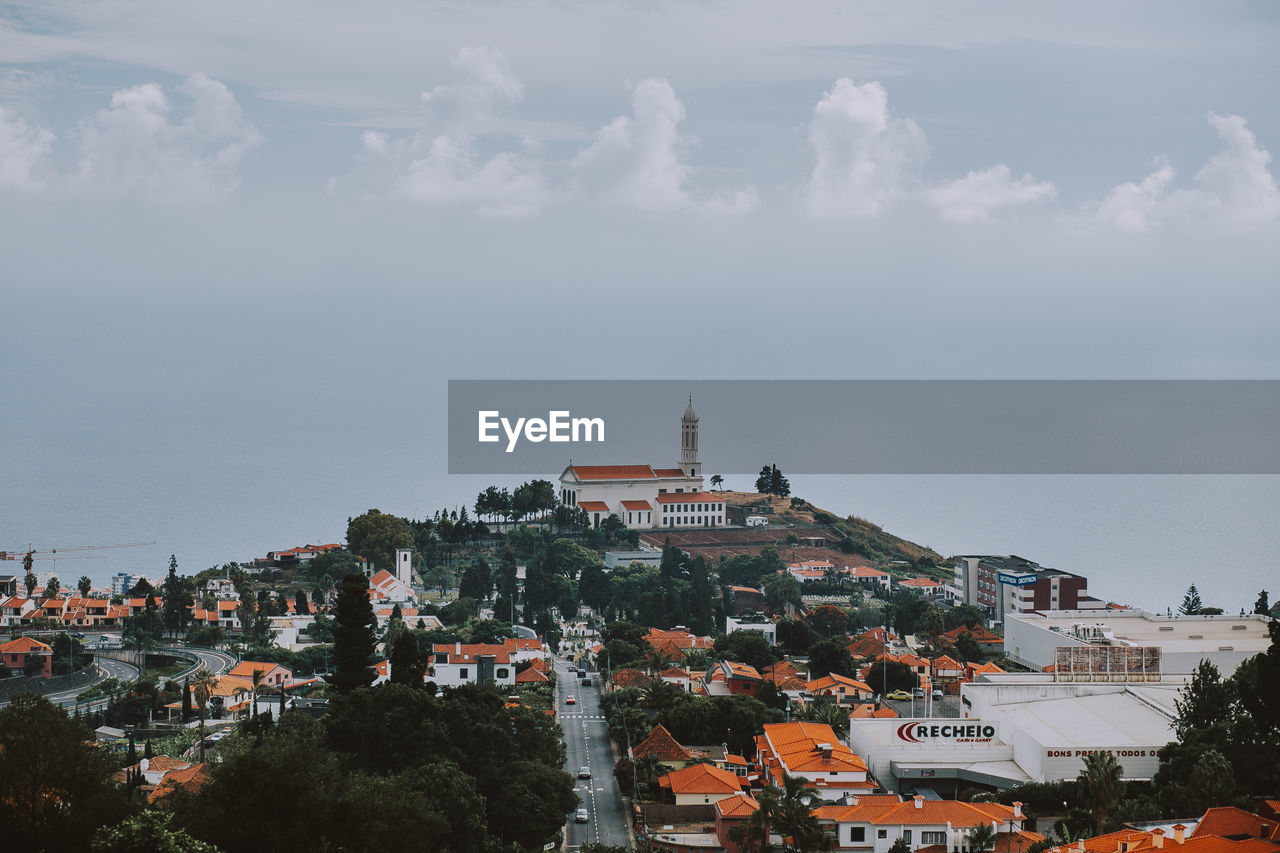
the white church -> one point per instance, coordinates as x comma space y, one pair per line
645, 497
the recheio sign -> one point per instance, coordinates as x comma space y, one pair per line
961, 731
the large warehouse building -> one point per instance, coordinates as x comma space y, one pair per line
1032, 639
1021, 728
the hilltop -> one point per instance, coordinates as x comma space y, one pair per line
824, 535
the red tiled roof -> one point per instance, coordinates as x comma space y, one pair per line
737, 806
613, 472
24, 645
641, 505
593, 506
1228, 821
669, 472
661, 745
701, 779
191, 779
532, 675
919, 582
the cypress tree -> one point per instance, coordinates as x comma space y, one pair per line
353, 636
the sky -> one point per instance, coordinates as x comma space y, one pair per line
239, 227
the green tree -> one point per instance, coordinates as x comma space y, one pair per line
1205, 701
900, 845
796, 821
376, 536
203, 683
1099, 787
749, 647
407, 667
716, 481
1263, 605
84, 585
830, 656
147, 832
981, 838
1191, 603
477, 582
353, 636
53, 587
53, 781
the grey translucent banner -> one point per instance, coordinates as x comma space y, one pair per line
869, 426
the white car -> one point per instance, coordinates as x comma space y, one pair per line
581, 816
584, 772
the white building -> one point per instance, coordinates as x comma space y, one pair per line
454, 664
643, 496
1226, 641
753, 622
1022, 728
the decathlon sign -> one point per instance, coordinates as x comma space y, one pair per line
959, 731
1016, 580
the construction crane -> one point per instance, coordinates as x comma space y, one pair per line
68, 553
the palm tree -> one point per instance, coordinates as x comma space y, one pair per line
659, 694
649, 767
832, 714
202, 685
716, 481
257, 682
982, 838
1099, 786
796, 802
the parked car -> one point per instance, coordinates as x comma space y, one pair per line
937, 693
581, 816
900, 695
584, 772
570, 700
586, 682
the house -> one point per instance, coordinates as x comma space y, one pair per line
16, 653
190, 779
16, 610
677, 676
921, 585
674, 644
973, 670
873, 642
1219, 830
868, 711
663, 747
753, 622
989, 643
624, 678
745, 599
482, 663
731, 812
840, 689
269, 674
387, 587
946, 670
811, 751
699, 784
868, 575
532, 675
729, 678
874, 823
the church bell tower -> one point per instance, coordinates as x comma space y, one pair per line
689, 442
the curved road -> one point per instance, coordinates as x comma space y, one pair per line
586, 738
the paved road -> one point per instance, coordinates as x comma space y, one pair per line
586, 740
106, 669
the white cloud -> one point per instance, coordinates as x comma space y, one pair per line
865, 158
440, 163
973, 197
132, 148
636, 160
1235, 185
1237, 180
639, 160
24, 152
1135, 207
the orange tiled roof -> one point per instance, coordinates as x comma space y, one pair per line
834, 681
593, 506
701, 779
868, 711
640, 505
921, 583
191, 779
737, 806
669, 472
24, 645
613, 472
936, 812
532, 675
660, 744
1231, 822
630, 678
795, 746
